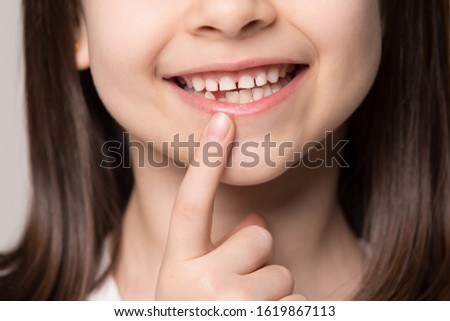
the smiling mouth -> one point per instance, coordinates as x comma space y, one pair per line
240, 87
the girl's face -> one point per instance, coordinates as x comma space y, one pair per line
146, 54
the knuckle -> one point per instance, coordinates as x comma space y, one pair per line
283, 274
234, 288
207, 285
262, 235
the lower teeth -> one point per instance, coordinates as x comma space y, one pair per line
243, 96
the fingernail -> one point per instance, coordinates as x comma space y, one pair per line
218, 127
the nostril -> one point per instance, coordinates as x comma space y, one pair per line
247, 29
251, 25
208, 29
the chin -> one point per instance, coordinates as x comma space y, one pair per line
249, 176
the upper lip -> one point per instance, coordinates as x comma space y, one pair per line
233, 66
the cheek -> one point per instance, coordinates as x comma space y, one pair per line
125, 39
346, 35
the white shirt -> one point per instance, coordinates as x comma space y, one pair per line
107, 290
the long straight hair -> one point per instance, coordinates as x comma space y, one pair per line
401, 139
75, 203
396, 194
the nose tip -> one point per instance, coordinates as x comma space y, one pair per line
231, 18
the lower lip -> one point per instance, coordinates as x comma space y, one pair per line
253, 108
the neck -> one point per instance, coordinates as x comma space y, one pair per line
311, 236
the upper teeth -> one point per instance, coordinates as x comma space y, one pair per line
245, 81
273, 75
226, 83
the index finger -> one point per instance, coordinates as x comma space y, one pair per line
190, 224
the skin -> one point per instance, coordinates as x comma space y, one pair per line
299, 242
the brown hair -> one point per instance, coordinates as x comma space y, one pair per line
75, 203
400, 176
396, 194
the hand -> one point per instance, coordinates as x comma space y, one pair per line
193, 268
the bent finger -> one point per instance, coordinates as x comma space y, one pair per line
253, 218
269, 283
245, 251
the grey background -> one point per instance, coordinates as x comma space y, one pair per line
14, 186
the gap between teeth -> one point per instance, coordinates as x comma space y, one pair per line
243, 96
272, 75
